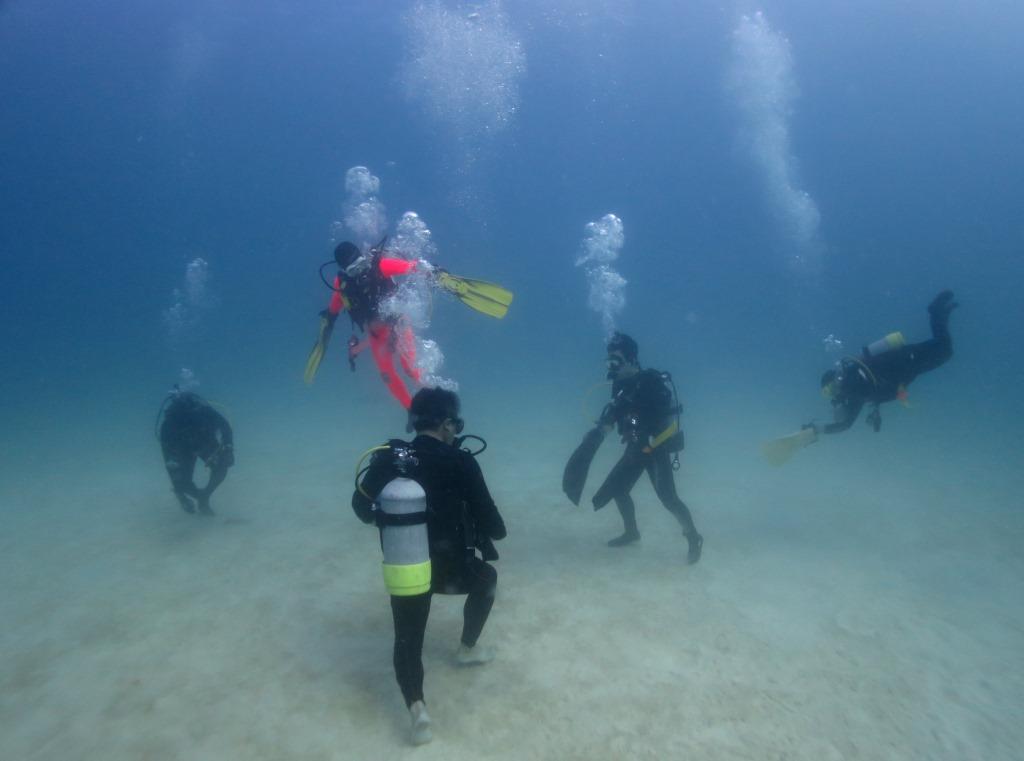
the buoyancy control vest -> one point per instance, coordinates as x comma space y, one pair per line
648, 412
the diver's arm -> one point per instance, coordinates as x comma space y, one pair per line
481, 504
390, 266
227, 437
226, 453
845, 414
609, 415
338, 300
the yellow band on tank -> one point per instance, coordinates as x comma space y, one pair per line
895, 340
407, 580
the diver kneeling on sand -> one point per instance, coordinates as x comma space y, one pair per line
647, 414
880, 374
191, 430
434, 511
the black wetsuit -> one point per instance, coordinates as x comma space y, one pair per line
192, 430
641, 408
364, 294
882, 378
461, 518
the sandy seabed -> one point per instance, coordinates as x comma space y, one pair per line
833, 616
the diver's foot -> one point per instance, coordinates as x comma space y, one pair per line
696, 542
627, 538
204, 506
474, 656
942, 304
186, 504
420, 733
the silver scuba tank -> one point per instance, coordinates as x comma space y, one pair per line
403, 538
882, 345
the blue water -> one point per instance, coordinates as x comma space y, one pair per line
138, 136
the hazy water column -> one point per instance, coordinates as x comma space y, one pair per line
463, 66
762, 81
188, 304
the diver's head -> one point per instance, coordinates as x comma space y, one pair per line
183, 402
622, 357
345, 253
435, 412
830, 382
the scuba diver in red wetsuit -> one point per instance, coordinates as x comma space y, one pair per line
363, 281
361, 285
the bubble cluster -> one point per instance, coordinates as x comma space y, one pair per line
363, 212
189, 302
463, 67
187, 380
429, 359
602, 242
412, 238
197, 274
832, 344
412, 299
764, 86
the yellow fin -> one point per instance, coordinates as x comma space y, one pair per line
778, 451
484, 297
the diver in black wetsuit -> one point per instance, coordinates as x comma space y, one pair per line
461, 519
884, 370
647, 416
192, 430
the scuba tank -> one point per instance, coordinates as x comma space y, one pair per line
401, 515
403, 537
882, 345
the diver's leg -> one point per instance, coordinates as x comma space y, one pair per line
935, 352
407, 354
180, 465
630, 533
217, 475
410, 617
481, 582
938, 313
380, 345
928, 355
617, 486
659, 468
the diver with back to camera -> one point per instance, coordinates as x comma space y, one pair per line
191, 429
434, 511
881, 374
647, 414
